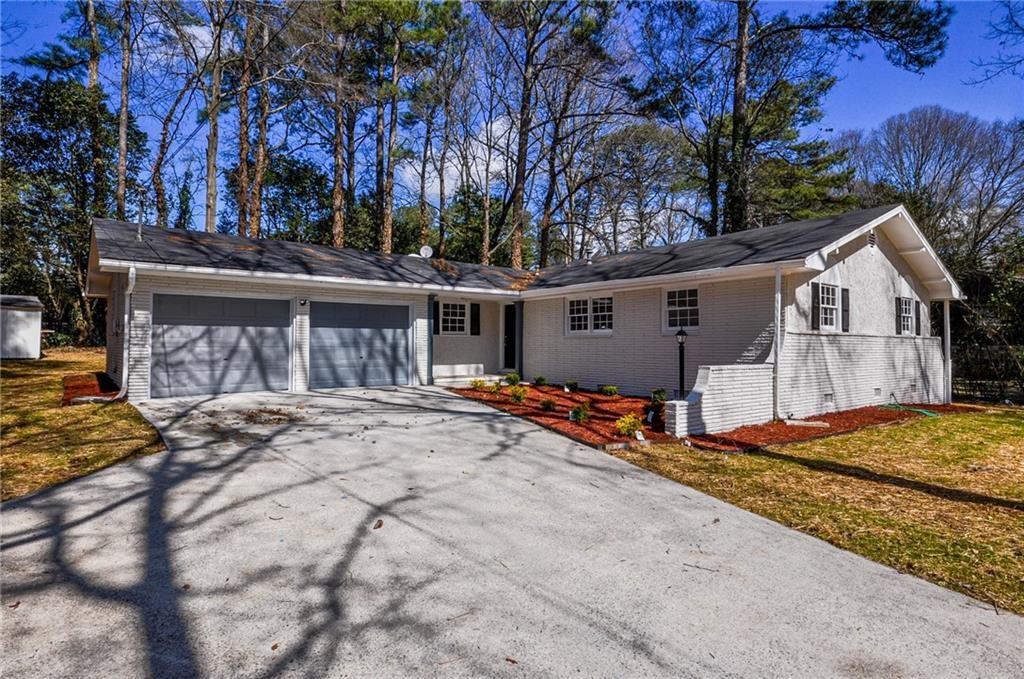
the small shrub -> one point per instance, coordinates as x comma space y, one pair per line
609, 390
580, 413
495, 388
659, 396
540, 381
478, 384
629, 424
517, 393
547, 404
572, 385
512, 379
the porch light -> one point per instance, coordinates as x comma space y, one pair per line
681, 339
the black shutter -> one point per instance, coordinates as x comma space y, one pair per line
437, 318
844, 300
474, 319
815, 307
917, 318
899, 320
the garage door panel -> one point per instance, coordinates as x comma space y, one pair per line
210, 345
358, 345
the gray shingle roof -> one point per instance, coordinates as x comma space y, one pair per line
792, 240
782, 242
117, 240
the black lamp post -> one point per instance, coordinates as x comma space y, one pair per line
681, 340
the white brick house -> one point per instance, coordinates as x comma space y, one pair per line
790, 320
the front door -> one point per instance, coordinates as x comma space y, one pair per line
508, 343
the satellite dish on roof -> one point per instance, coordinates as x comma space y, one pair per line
426, 252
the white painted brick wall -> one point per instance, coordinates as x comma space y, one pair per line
724, 397
735, 327
467, 355
141, 320
852, 367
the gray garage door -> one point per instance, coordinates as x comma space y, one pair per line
215, 345
358, 345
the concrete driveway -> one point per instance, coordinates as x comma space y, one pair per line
408, 531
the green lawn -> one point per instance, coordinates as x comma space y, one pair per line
42, 444
941, 498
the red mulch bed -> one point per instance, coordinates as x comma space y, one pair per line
597, 430
757, 436
87, 384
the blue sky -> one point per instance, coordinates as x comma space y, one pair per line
869, 91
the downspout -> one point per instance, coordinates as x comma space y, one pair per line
430, 338
123, 391
777, 344
947, 353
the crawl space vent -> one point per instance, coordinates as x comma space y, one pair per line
878, 391
830, 398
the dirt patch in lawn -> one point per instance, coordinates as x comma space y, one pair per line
753, 437
597, 430
88, 384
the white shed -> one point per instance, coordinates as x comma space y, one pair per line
21, 324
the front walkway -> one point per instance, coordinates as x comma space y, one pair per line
408, 531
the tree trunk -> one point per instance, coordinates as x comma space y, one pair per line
442, 224
379, 169
161, 154
387, 224
96, 99
244, 85
93, 77
522, 152
428, 124
736, 190
350, 162
213, 113
262, 155
122, 117
485, 237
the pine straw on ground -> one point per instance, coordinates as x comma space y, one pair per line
42, 443
941, 498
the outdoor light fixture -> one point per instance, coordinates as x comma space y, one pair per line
302, 302
681, 340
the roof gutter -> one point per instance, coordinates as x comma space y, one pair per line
183, 271
718, 273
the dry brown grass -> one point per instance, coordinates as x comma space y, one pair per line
42, 444
940, 498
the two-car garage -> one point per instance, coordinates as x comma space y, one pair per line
211, 345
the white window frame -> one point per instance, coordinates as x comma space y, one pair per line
444, 306
610, 314
907, 316
589, 316
666, 325
833, 290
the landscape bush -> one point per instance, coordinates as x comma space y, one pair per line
629, 424
540, 381
512, 378
478, 384
547, 404
580, 413
517, 393
609, 390
572, 385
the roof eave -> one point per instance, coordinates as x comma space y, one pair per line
720, 273
182, 271
943, 287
